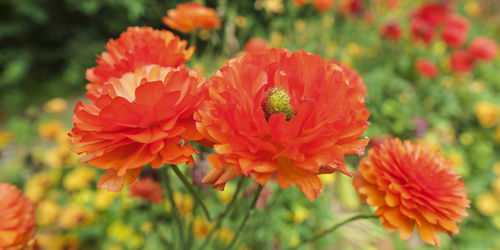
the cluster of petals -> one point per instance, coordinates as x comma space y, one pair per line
426, 19
483, 49
187, 17
391, 30
329, 117
147, 189
455, 30
135, 48
426, 67
142, 117
412, 186
17, 218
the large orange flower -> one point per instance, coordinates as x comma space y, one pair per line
135, 48
142, 117
187, 17
288, 115
412, 186
17, 218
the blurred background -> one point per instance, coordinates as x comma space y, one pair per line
46, 46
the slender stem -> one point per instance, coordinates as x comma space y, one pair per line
336, 226
175, 213
191, 190
247, 215
221, 216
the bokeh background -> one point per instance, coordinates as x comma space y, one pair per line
46, 46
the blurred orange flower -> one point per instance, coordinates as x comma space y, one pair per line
143, 117
426, 67
412, 185
135, 48
147, 189
187, 17
323, 5
255, 45
288, 115
17, 218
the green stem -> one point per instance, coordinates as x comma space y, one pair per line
336, 226
247, 215
175, 213
191, 190
221, 216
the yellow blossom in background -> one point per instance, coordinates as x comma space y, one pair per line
57, 242
201, 227
276, 39
226, 195
270, 6
183, 202
497, 135
36, 186
59, 156
294, 240
466, 139
225, 235
146, 227
119, 231
487, 204
327, 21
473, 8
46, 212
496, 186
439, 48
5, 138
56, 105
355, 49
240, 21
71, 216
496, 168
455, 158
477, 87
50, 130
496, 221
103, 199
300, 25
299, 215
83, 197
79, 178
487, 113
327, 178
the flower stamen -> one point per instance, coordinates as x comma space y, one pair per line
278, 101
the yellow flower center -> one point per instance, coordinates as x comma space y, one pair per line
278, 101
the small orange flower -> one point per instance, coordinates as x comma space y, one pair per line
143, 117
256, 44
412, 186
17, 218
135, 48
187, 17
147, 189
291, 116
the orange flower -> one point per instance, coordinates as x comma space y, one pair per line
256, 45
187, 17
147, 189
270, 115
17, 218
135, 48
143, 117
412, 186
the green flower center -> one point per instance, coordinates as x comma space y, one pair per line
278, 101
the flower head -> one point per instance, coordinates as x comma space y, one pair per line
17, 218
135, 48
461, 61
288, 115
426, 68
391, 30
140, 118
412, 186
147, 189
455, 30
187, 17
483, 48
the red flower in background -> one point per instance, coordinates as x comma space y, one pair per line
461, 61
140, 118
147, 189
426, 67
483, 48
426, 18
323, 5
187, 17
412, 186
255, 45
391, 30
17, 218
455, 30
353, 7
135, 48
421, 31
288, 115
